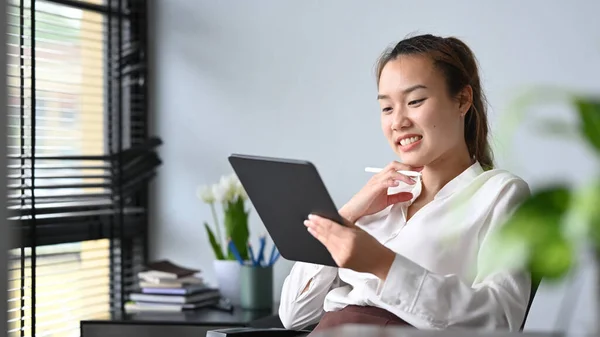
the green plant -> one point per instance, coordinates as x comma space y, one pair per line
544, 234
230, 194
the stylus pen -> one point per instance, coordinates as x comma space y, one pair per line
406, 173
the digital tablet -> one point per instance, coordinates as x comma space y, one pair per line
284, 192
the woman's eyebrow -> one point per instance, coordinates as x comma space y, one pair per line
405, 91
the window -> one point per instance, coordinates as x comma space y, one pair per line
72, 283
79, 160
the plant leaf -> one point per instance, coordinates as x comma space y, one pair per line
519, 109
213, 242
537, 222
556, 127
589, 113
587, 209
583, 219
236, 227
552, 260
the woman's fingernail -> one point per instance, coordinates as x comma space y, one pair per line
306, 223
311, 216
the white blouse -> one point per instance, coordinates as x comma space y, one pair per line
437, 279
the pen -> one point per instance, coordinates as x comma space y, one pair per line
235, 252
251, 252
261, 251
406, 173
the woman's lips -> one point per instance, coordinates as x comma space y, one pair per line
409, 143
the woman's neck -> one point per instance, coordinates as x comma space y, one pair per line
438, 173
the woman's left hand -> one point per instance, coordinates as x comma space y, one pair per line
351, 247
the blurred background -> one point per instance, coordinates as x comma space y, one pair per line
278, 78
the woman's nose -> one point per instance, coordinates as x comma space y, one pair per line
400, 121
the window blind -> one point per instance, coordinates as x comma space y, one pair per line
79, 160
72, 283
3, 229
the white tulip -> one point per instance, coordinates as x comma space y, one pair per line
240, 191
206, 194
218, 192
228, 189
233, 179
225, 185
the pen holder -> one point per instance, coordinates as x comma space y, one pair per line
256, 287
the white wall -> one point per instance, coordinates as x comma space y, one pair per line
295, 79
3, 224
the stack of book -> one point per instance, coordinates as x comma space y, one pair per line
165, 286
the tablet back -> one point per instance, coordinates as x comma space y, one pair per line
284, 192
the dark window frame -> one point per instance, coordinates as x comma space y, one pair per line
130, 159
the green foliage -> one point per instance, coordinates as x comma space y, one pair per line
213, 243
236, 230
586, 214
537, 223
555, 221
236, 227
230, 194
589, 113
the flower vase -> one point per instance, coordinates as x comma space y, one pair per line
228, 278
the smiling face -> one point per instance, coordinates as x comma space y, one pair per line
419, 118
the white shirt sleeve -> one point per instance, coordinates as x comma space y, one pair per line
298, 310
492, 301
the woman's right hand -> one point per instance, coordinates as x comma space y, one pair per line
373, 197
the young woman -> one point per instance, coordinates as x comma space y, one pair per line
410, 252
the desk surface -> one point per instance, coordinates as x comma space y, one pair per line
352, 330
204, 316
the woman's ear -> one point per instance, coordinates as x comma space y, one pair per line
465, 99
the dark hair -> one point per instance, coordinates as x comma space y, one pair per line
459, 66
